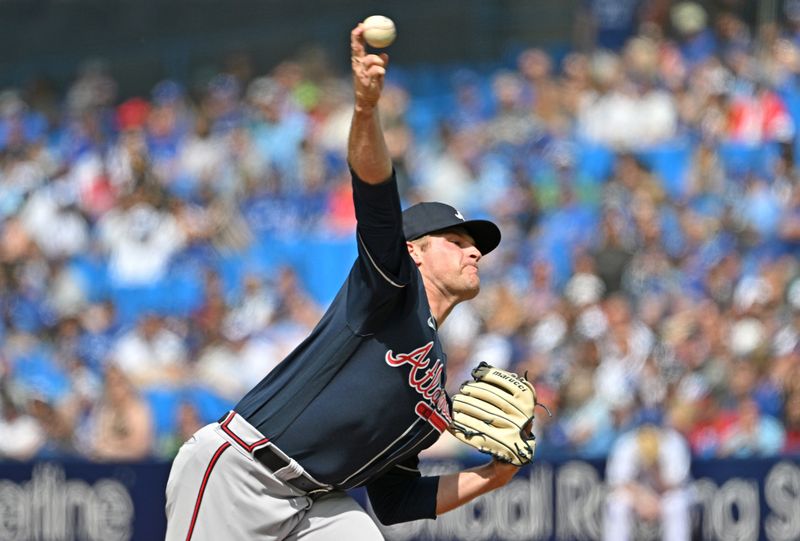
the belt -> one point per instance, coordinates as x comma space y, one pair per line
274, 462
267, 453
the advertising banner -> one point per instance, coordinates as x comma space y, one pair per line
61, 501
733, 500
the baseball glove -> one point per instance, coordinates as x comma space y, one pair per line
494, 413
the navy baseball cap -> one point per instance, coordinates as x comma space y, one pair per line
426, 218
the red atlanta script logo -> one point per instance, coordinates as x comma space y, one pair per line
427, 381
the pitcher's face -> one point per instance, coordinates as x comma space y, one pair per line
449, 261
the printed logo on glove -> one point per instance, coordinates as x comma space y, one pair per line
494, 414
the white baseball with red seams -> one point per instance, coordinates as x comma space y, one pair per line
379, 31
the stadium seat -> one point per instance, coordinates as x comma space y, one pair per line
93, 275
670, 162
209, 405
163, 402
595, 162
38, 375
743, 159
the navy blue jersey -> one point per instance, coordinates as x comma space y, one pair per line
364, 393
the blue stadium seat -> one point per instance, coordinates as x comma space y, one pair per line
163, 402
179, 294
209, 405
423, 117
740, 159
38, 374
595, 162
670, 162
323, 274
230, 269
93, 275
176, 295
131, 303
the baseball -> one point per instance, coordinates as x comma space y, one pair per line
379, 31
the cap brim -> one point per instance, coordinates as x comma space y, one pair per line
485, 233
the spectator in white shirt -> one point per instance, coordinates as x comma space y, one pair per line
648, 485
141, 241
151, 353
21, 436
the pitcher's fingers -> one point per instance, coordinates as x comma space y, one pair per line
357, 49
373, 60
376, 59
376, 72
373, 66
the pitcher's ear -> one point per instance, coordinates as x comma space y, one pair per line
414, 252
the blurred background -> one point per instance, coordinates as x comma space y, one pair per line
176, 215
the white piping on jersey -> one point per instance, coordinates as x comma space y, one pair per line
380, 271
376, 457
398, 466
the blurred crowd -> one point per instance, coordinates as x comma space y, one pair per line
646, 188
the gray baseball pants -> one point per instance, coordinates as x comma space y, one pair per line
218, 490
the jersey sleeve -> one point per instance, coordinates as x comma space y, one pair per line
383, 268
402, 494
